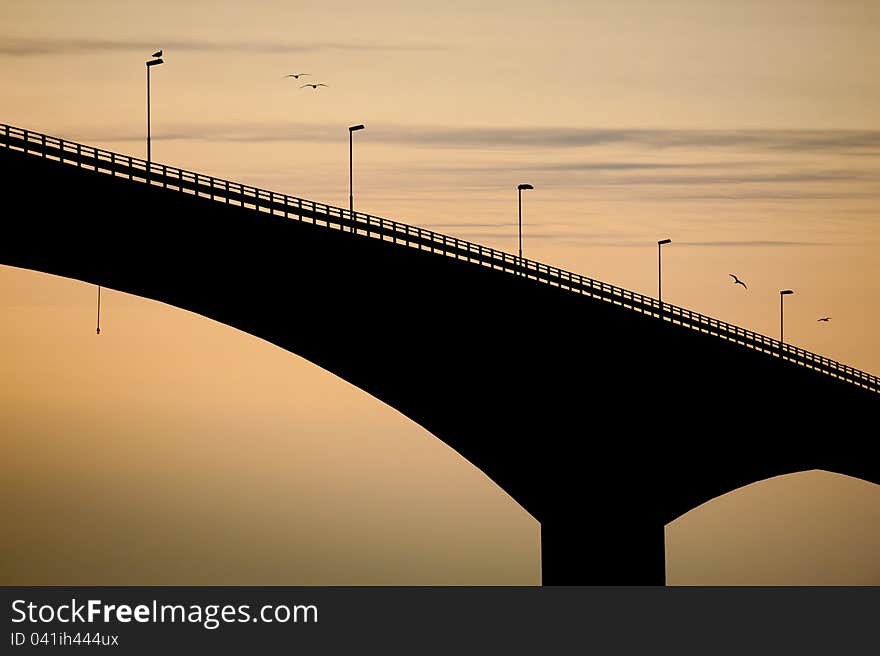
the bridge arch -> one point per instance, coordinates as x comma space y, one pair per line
810, 527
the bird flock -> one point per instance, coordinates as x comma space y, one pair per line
737, 281
297, 76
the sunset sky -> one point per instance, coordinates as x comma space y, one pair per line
747, 132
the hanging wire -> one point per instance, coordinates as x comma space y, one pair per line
98, 328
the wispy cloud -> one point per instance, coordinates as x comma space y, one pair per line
240, 132
753, 175
782, 194
593, 166
626, 166
770, 140
697, 173
861, 142
738, 178
752, 244
17, 47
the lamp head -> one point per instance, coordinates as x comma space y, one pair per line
664, 241
524, 186
155, 62
355, 127
785, 292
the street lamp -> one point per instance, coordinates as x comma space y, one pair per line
782, 295
660, 270
152, 62
351, 130
98, 326
519, 190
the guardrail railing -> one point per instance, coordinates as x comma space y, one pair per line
234, 193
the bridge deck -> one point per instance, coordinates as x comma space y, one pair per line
335, 218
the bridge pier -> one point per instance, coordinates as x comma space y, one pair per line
600, 549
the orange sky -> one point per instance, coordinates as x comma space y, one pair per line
744, 131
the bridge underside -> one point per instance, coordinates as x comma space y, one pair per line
603, 423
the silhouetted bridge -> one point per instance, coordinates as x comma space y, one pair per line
603, 412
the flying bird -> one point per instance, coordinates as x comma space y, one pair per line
157, 54
296, 76
314, 86
824, 319
737, 281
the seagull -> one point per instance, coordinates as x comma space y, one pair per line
737, 281
157, 54
824, 319
314, 86
296, 76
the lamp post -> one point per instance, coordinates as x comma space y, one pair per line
782, 295
660, 271
519, 190
351, 131
152, 62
